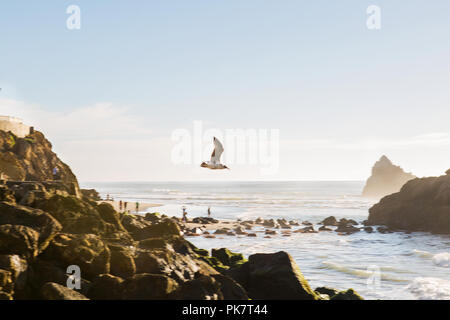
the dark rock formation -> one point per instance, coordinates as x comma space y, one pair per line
228, 258
273, 276
421, 205
349, 294
330, 292
31, 159
347, 226
330, 221
106, 287
324, 228
146, 286
54, 291
90, 194
308, 229
386, 179
333, 294
204, 220
42, 224
18, 239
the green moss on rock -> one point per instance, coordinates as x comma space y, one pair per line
350, 294
228, 258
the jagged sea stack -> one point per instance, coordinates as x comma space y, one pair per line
386, 179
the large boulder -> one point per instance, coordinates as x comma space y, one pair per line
87, 251
141, 228
7, 195
21, 240
347, 226
122, 261
40, 222
228, 258
214, 287
149, 287
40, 272
172, 256
421, 205
106, 287
18, 267
110, 215
148, 262
90, 194
273, 276
386, 179
330, 221
54, 291
349, 294
201, 288
166, 227
6, 281
230, 289
80, 217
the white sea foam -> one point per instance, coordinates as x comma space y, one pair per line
360, 272
423, 254
442, 259
430, 288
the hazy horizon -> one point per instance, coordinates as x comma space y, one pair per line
110, 95
208, 181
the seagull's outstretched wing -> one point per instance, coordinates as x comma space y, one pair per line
218, 150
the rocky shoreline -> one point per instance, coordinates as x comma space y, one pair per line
44, 229
269, 228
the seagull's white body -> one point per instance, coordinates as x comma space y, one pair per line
214, 163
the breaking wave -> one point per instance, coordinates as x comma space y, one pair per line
430, 288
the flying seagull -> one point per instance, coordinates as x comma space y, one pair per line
215, 164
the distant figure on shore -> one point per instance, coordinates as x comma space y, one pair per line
120, 205
125, 205
184, 214
56, 173
137, 207
209, 212
107, 197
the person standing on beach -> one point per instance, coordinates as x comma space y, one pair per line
55, 173
137, 207
209, 212
120, 205
184, 214
125, 205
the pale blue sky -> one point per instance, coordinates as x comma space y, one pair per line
309, 68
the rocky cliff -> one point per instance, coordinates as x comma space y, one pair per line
421, 205
386, 179
31, 159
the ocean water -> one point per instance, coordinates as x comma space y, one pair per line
378, 266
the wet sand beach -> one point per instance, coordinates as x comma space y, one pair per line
131, 206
